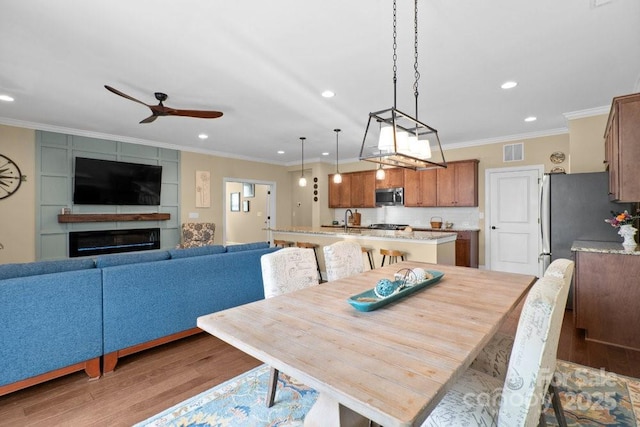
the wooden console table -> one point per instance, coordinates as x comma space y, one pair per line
65, 218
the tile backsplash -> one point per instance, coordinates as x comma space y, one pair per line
460, 217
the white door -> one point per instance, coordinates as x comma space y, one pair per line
513, 219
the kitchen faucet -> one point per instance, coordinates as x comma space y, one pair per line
346, 218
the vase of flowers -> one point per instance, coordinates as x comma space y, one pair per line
623, 221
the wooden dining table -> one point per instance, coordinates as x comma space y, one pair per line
391, 365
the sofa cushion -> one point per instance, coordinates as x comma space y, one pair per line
198, 251
131, 258
247, 246
9, 271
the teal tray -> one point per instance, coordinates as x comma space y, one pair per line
373, 302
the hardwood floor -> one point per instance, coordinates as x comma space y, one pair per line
146, 383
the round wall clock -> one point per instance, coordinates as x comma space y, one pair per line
10, 177
557, 157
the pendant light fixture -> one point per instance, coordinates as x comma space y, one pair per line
302, 182
402, 140
337, 178
380, 173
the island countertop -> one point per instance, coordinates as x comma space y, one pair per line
432, 237
601, 247
435, 247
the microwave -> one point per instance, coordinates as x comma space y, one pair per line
390, 197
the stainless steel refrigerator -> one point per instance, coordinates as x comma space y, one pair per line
574, 207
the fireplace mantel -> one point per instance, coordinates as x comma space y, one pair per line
65, 218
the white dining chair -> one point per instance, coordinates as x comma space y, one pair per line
283, 271
494, 357
343, 259
479, 399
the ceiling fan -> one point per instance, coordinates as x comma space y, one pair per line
161, 110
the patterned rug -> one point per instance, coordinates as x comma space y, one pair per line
590, 397
241, 402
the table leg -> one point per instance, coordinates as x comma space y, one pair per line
328, 412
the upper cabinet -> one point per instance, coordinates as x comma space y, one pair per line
457, 185
357, 190
420, 188
393, 178
363, 189
340, 194
622, 148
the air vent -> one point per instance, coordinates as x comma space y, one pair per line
513, 152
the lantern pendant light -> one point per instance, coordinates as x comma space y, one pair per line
303, 181
337, 178
402, 140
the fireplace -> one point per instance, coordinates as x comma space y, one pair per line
85, 243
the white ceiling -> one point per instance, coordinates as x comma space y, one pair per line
265, 63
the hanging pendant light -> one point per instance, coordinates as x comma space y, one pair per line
337, 178
402, 140
302, 182
380, 173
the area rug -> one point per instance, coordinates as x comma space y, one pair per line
590, 397
241, 402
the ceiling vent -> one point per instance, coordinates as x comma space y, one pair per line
513, 152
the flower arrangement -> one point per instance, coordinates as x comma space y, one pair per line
621, 218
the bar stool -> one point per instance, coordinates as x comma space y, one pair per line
313, 246
282, 243
392, 254
369, 252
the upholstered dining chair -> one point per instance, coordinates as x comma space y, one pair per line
196, 234
342, 259
478, 399
494, 357
283, 271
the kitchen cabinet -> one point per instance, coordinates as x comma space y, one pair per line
457, 185
420, 188
357, 190
622, 148
605, 295
363, 189
467, 248
340, 194
393, 178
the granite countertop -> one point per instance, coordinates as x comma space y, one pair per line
602, 247
439, 236
416, 228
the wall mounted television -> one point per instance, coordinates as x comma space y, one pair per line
108, 182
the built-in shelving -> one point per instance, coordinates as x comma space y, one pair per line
114, 217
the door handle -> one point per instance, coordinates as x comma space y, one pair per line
493, 227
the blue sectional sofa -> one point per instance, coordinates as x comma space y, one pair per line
58, 317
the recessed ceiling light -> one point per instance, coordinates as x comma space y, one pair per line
531, 119
280, 152
326, 153
509, 85
6, 98
203, 136
328, 94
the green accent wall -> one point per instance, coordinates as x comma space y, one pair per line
55, 154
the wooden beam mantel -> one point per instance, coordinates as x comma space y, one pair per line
114, 217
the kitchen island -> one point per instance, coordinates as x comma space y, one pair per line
426, 246
606, 293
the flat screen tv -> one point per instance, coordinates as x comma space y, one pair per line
108, 182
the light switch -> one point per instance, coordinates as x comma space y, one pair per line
194, 215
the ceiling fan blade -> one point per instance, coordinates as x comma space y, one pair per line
124, 95
149, 119
201, 114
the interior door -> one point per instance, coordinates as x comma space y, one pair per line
513, 227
